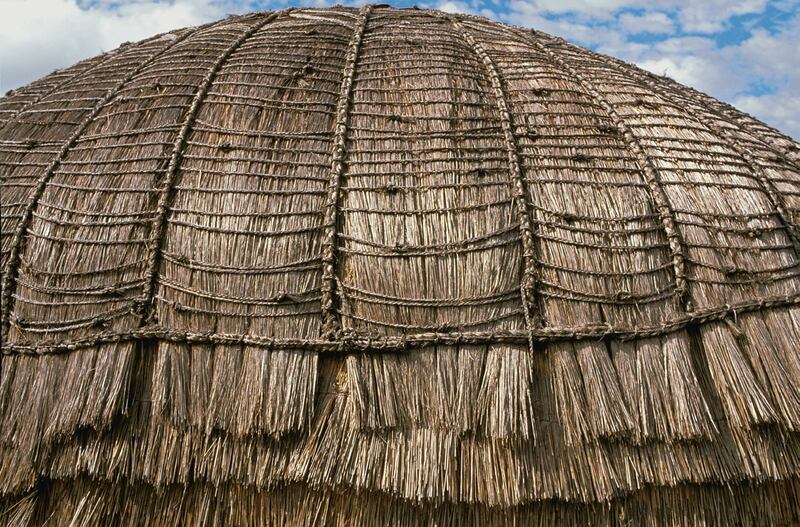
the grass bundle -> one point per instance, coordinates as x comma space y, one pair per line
392, 267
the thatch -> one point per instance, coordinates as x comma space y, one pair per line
393, 267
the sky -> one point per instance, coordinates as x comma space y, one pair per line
744, 52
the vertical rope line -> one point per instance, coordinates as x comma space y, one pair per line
652, 178
12, 266
331, 323
533, 318
25, 107
165, 193
111, 55
721, 109
753, 164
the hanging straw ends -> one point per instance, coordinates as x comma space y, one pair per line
242, 390
51, 396
743, 399
689, 412
505, 401
662, 389
569, 396
606, 409
467, 390
17, 473
775, 362
16, 511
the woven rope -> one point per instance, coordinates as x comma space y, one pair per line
12, 268
533, 318
331, 325
160, 223
667, 215
357, 344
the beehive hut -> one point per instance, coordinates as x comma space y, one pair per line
393, 267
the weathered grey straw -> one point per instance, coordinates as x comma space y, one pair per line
393, 267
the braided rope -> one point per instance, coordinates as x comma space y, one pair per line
665, 211
754, 165
12, 267
331, 324
358, 344
111, 56
533, 318
160, 223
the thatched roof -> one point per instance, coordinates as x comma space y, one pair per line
393, 267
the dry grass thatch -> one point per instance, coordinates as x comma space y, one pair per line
393, 267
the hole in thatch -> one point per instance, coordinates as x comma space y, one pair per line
390, 189
138, 307
608, 129
101, 323
30, 144
754, 234
401, 248
21, 322
581, 158
568, 218
305, 70
401, 119
732, 272
225, 147
541, 92
479, 173
312, 32
116, 290
532, 134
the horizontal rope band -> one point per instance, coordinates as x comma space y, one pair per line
354, 343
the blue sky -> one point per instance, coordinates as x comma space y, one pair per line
741, 51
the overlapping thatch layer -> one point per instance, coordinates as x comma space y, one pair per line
393, 267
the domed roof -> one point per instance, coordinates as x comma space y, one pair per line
393, 267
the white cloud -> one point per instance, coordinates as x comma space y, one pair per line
654, 22
709, 16
41, 35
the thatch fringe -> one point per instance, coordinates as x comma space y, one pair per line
17, 474
475, 389
469, 469
775, 363
44, 398
662, 389
242, 390
85, 503
744, 400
